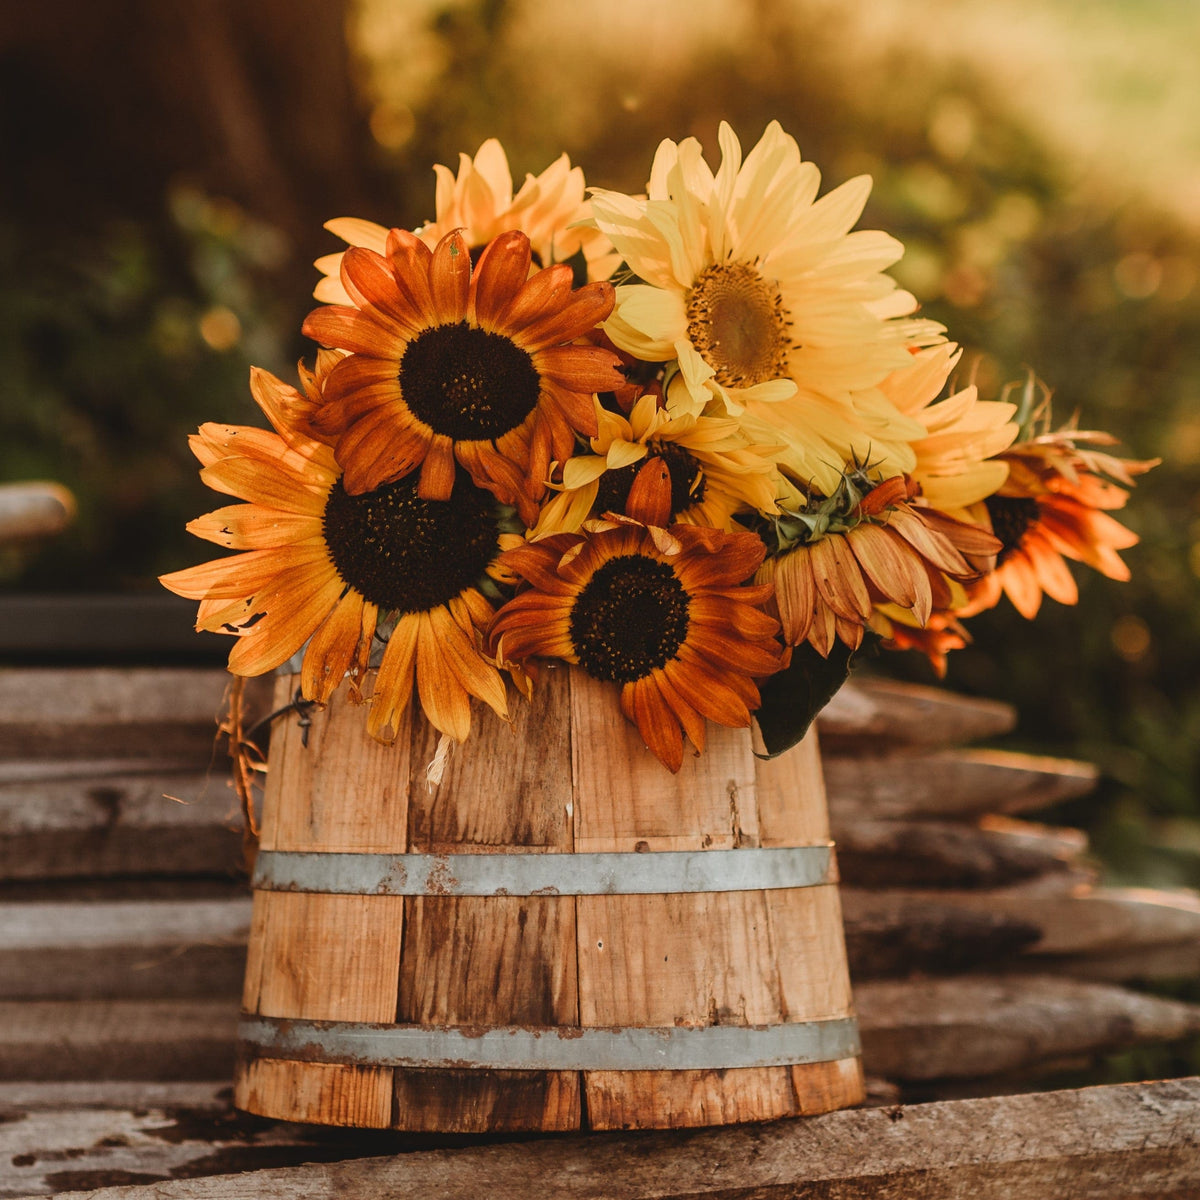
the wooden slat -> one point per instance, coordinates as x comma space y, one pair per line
972, 1026
742, 958
874, 716
1134, 1142
954, 784
882, 854
103, 818
149, 712
127, 949
889, 935
55, 1137
117, 1039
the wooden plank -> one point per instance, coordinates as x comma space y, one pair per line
55, 1137
875, 716
741, 958
1132, 1142
128, 949
324, 957
117, 1039
889, 934
954, 784
921, 853
103, 818
146, 712
970, 1026
487, 961
1096, 921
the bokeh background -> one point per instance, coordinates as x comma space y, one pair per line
166, 167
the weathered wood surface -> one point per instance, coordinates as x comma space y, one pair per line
883, 854
1133, 1142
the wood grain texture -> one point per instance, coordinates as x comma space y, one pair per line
742, 958
1132, 1142
322, 957
492, 960
955, 784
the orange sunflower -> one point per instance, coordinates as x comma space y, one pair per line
1053, 507
452, 362
479, 200
320, 566
663, 613
868, 545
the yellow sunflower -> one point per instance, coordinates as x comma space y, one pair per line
707, 468
480, 202
453, 362
663, 613
767, 300
320, 566
869, 545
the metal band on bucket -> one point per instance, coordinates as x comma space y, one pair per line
589, 874
553, 1048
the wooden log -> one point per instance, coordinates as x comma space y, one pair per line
127, 949
1099, 921
973, 1026
117, 1039
881, 854
156, 713
104, 818
889, 935
876, 716
34, 510
1133, 1142
953, 784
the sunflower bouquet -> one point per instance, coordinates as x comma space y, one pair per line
694, 441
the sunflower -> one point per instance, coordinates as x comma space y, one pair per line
869, 545
480, 201
1052, 507
935, 639
322, 566
703, 463
954, 458
453, 362
663, 613
771, 305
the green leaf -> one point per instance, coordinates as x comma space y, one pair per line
792, 698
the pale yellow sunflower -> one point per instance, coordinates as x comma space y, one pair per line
954, 460
768, 301
709, 470
480, 202
317, 565
450, 361
663, 613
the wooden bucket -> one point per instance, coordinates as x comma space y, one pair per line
560, 935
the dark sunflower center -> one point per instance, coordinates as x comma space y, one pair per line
1011, 517
738, 324
687, 481
406, 554
470, 384
630, 619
